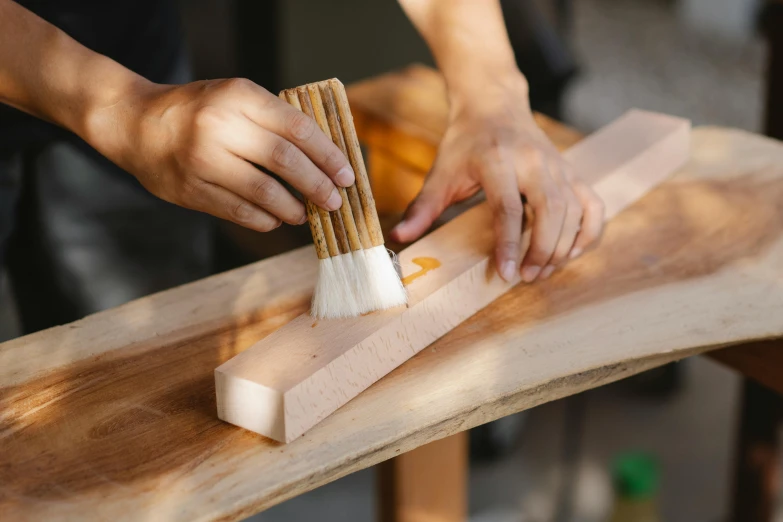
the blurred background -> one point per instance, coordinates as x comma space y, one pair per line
587, 62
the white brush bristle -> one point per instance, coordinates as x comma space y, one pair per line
333, 297
362, 283
353, 281
352, 284
385, 287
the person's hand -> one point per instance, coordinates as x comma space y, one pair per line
197, 145
493, 143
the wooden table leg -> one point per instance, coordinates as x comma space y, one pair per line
756, 475
428, 484
772, 18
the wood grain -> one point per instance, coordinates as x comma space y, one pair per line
293, 379
113, 417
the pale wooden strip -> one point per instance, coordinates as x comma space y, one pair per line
315, 368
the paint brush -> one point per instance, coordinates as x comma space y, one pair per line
356, 274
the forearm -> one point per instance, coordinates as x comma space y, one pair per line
470, 44
46, 73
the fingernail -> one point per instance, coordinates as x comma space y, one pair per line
335, 201
507, 270
345, 177
576, 252
529, 273
547, 271
303, 220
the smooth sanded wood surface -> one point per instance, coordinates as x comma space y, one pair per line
292, 379
113, 417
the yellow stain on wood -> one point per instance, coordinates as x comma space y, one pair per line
426, 264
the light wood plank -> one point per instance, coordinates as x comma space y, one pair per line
112, 434
293, 379
270, 289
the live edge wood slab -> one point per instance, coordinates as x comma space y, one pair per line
294, 378
114, 418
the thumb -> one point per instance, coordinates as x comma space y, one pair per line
422, 212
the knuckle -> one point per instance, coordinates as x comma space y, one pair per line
239, 84
560, 255
284, 155
321, 189
556, 204
509, 208
207, 117
493, 151
190, 190
508, 248
535, 159
300, 126
193, 160
541, 253
597, 206
335, 158
240, 213
574, 211
589, 238
262, 190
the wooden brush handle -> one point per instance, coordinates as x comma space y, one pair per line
354, 200
357, 162
346, 211
325, 240
356, 225
335, 218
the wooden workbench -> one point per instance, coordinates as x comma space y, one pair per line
113, 417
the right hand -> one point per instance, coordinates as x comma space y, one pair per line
493, 143
196, 145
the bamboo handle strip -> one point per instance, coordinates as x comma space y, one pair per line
335, 218
356, 224
337, 136
357, 162
321, 117
323, 236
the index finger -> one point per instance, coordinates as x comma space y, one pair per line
286, 119
503, 197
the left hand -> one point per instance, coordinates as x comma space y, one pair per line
493, 143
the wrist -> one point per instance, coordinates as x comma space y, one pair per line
110, 108
486, 90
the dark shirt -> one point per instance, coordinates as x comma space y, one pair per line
142, 35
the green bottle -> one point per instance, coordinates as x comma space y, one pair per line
635, 477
